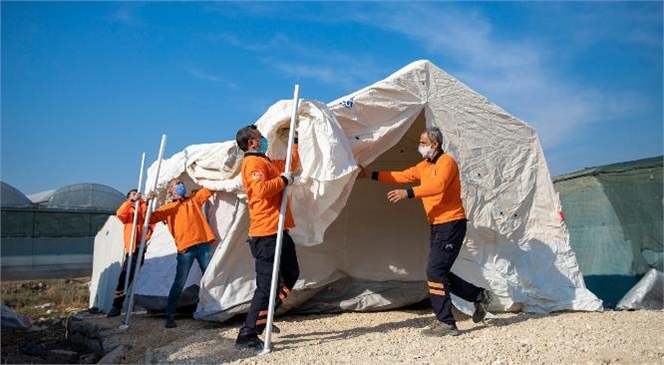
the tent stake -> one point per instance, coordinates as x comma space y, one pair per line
151, 204
280, 230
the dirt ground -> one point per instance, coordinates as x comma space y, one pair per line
47, 303
610, 337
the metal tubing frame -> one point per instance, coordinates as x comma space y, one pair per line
151, 204
280, 229
137, 205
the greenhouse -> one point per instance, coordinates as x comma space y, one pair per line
51, 234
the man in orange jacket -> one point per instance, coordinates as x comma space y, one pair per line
192, 234
264, 181
125, 214
440, 191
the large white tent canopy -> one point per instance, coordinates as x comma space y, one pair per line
356, 250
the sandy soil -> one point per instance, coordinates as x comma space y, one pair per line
610, 337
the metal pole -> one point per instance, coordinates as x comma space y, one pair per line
146, 225
137, 205
280, 230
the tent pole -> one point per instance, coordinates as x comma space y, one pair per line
137, 205
141, 249
280, 230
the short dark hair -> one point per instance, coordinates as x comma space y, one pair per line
244, 135
131, 191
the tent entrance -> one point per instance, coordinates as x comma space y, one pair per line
380, 248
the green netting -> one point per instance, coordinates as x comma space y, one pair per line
615, 220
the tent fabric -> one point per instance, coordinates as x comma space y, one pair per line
648, 293
14, 321
359, 252
108, 257
615, 217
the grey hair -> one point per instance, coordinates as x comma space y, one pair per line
435, 135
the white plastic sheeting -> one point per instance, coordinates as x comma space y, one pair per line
356, 250
648, 293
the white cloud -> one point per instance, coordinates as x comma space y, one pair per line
127, 14
327, 66
516, 73
527, 73
204, 76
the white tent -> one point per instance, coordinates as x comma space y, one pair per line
356, 250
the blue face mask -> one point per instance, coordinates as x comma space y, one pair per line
179, 189
264, 144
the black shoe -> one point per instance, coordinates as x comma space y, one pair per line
248, 338
481, 306
170, 321
114, 312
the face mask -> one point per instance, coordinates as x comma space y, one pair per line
425, 151
179, 189
263, 147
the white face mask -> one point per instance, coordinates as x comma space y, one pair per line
425, 151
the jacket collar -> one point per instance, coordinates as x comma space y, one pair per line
257, 154
433, 161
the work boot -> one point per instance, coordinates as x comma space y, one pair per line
114, 312
170, 321
481, 306
438, 329
248, 338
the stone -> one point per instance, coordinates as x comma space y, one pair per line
62, 357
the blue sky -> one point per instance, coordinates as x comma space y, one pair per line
87, 87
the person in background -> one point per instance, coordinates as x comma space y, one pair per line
264, 181
125, 214
440, 191
191, 232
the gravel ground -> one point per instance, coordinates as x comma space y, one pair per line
610, 337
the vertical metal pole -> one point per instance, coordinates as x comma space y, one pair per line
280, 230
137, 205
146, 225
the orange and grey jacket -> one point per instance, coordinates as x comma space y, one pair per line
125, 214
439, 189
263, 184
185, 220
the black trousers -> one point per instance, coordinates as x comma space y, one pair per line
445, 244
263, 251
119, 298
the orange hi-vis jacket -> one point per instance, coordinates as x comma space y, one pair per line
263, 185
439, 189
185, 220
125, 214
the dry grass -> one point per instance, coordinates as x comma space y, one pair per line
46, 299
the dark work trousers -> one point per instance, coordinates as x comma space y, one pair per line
119, 298
445, 244
263, 251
